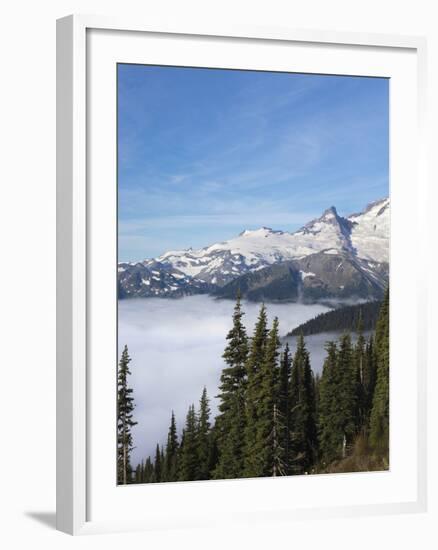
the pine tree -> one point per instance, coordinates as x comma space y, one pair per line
268, 422
148, 471
347, 394
338, 406
138, 473
253, 368
158, 463
171, 455
328, 426
203, 437
125, 422
359, 373
230, 423
284, 408
188, 460
369, 382
302, 416
379, 421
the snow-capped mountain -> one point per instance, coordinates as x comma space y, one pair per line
364, 237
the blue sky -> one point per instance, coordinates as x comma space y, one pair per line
206, 153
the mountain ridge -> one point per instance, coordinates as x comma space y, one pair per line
363, 237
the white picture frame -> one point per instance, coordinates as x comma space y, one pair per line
75, 316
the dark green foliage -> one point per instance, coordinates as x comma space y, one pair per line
379, 420
203, 438
230, 423
267, 427
158, 466
254, 368
275, 418
302, 412
188, 460
359, 359
125, 422
343, 318
369, 379
171, 454
284, 410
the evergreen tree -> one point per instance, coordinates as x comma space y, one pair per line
230, 423
347, 394
188, 470
203, 437
148, 471
171, 456
338, 405
158, 463
328, 427
254, 368
359, 373
138, 473
125, 422
268, 422
369, 381
379, 421
284, 408
302, 416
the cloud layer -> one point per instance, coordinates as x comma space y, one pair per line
176, 348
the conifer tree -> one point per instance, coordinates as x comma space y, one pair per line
338, 421
125, 422
268, 422
157, 465
230, 423
369, 382
284, 407
347, 394
188, 470
254, 364
302, 417
359, 373
148, 470
328, 426
171, 455
379, 421
203, 437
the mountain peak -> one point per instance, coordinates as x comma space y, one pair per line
258, 231
330, 213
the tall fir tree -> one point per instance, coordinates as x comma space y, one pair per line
379, 420
254, 364
338, 406
158, 465
268, 450
302, 421
125, 421
327, 420
359, 359
188, 461
347, 397
369, 379
171, 456
203, 438
230, 423
284, 408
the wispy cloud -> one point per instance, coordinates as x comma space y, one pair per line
205, 149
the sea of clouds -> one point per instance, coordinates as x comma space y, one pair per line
176, 347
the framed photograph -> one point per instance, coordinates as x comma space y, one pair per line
240, 295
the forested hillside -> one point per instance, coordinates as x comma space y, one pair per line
343, 318
275, 417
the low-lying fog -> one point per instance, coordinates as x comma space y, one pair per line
176, 348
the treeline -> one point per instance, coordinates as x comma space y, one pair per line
275, 417
341, 319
